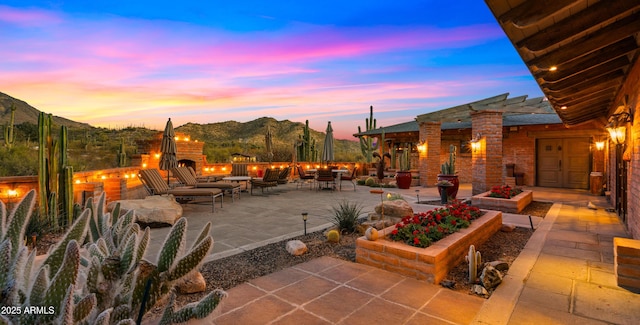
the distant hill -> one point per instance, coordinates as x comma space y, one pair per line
27, 113
220, 138
249, 137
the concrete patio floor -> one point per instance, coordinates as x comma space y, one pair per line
564, 275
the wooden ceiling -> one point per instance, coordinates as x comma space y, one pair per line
592, 44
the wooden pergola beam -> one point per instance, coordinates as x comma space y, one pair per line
600, 13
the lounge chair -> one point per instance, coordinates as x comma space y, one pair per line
156, 185
270, 179
304, 177
185, 177
207, 178
283, 177
351, 177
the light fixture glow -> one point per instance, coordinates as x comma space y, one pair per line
599, 145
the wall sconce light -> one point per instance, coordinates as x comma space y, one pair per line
422, 146
617, 127
475, 142
599, 145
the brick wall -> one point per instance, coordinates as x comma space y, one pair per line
430, 163
631, 89
488, 168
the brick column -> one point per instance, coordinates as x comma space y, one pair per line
430, 160
487, 160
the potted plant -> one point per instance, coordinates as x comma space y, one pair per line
403, 177
448, 173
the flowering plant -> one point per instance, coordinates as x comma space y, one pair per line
422, 229
504, 191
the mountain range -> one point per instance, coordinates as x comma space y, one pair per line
249, 135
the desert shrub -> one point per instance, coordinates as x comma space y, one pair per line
345, 215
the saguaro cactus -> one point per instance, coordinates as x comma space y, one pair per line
55, 176
9, 130
307, 144
366, 143
122, 154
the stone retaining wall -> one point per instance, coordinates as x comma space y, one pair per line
512, 205
432, 263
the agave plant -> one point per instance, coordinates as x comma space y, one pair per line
107, 281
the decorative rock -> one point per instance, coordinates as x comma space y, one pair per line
490, 277
157, 210
192, 283
508, 227
448, 284
378, 224
479, 290
499, 265
371, 234
395, 209
296, 247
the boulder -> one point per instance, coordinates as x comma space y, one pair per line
490, 277
396, 209
499, 265
296, 247
479, 290
192, 283
157, 210
508, 227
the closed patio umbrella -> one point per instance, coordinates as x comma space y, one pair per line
168, 150
327, 149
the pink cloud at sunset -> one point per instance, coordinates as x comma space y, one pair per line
117, 69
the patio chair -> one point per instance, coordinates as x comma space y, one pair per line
352, 177
239, 170
283, 176
185, 177
207, 178
270, 179
325, 176
156, 185
304, 177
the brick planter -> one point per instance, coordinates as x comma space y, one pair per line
512, 205
432, 263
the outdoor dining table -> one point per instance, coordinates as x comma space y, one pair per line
339, 172
238, 179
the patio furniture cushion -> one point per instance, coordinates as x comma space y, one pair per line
185, 177
283, 177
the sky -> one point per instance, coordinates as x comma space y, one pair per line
136, 63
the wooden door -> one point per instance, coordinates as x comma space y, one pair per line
549, 162
563, 162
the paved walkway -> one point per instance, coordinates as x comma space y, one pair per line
564, 275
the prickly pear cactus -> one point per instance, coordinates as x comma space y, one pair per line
108, 281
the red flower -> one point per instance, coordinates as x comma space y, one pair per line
394, 232
416, 240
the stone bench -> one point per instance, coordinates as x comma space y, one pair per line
155, 211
